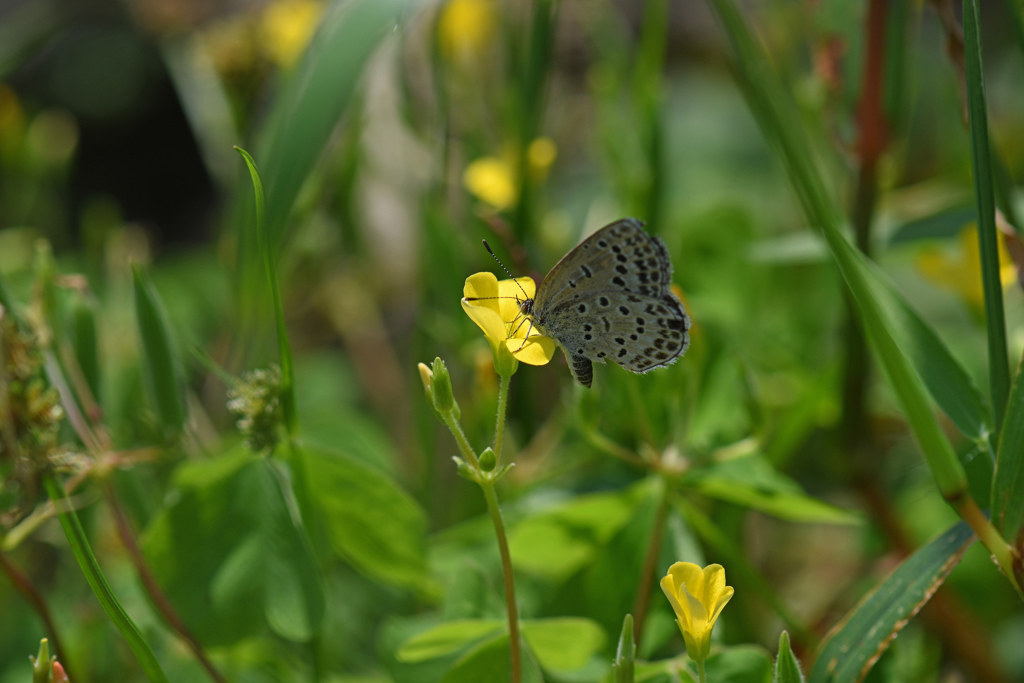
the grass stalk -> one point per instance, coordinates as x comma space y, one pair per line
98, 582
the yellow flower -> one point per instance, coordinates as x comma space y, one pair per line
541, 153
465, 28
494, 307
963, 275
698, 597
492, 180
287, 26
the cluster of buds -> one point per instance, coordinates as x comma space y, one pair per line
30, 413
256, 401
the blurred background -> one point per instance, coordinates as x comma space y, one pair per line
392, 138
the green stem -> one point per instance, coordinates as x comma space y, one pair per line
988, 237
460, 438
700, 672
643, 592
499, 429
510, 586
94, 575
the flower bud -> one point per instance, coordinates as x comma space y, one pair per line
487, 460
441, 387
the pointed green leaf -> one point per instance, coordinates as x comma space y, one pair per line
787, 666
866, 631
625, 653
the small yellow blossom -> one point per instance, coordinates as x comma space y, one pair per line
963, 274
494, 307
492, 180
540, 155
697, 597
465, 28
287, 27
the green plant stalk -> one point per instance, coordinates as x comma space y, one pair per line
100, 588
822, 210
510, 585
283, 347
701, 676
781, 125
491, 496
988, 236
643, 591
499, 428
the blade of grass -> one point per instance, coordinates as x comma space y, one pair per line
161, 363
782, 126
988, 237
283, 347
866, 631
98, 582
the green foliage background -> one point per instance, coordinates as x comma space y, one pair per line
782, 446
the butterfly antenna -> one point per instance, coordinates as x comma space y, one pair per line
491, 252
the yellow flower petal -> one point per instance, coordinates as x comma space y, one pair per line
487, 320
697, 597
493, 181
537, 350
287, 28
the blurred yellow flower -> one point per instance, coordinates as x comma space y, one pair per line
287, 27
493, 181
464, 28
494, 307
541, 153
697, 597
963, 273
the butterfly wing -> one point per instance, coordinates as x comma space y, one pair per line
609, 298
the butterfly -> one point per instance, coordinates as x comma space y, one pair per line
609, 298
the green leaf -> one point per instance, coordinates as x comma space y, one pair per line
490, 661
676, 670
315, 96
446, 638
1008, 480
369, 520
864, 634
940, 225
563, 644
787, 666
160, 359
752, 482
557, 543
984, 194
231, 556
284, 351
625, 653
947, 381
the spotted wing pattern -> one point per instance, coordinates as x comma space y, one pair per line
609, 298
